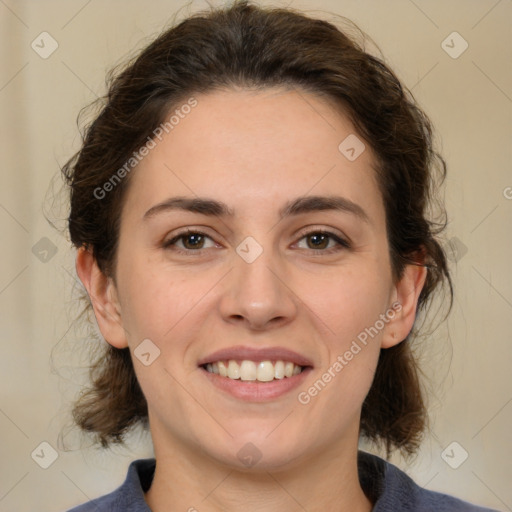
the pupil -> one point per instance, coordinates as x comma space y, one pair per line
318, 235
195, 237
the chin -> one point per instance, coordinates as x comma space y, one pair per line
259, 451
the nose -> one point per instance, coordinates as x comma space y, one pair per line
258, 294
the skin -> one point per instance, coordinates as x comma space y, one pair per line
254, 151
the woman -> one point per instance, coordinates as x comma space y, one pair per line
249, 210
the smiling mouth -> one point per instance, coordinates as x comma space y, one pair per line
261, 371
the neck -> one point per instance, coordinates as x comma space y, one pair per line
194, 482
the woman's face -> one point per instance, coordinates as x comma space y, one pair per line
259, 285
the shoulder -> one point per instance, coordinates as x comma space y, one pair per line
392, 490
129, 497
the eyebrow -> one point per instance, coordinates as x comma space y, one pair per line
300, 205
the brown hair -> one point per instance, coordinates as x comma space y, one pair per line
248, 46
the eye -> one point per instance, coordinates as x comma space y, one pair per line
192, 241
318, 241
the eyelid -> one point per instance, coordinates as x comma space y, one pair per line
333, 232
341, 243
183, 233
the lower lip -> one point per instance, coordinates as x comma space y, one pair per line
255, 391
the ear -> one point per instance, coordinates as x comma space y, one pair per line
404, 304
103, 294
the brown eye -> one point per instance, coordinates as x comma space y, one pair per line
318, 241
191, 241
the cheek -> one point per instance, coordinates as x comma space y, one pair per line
146, 310
147, 293
347, 303
168, 307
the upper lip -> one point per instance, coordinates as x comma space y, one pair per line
256, 355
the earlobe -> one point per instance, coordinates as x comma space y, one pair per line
406, 295
103, 295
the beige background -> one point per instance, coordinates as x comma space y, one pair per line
469, 101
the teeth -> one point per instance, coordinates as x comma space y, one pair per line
233, 370
279, 370
264, 371
248, 370
223, 371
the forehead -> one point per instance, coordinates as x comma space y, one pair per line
253, 150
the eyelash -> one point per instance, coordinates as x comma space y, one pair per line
342, 243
